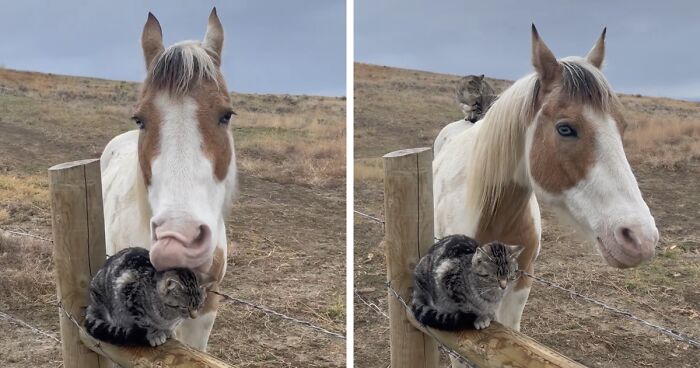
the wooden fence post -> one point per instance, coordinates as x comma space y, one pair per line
79, 249
408, 211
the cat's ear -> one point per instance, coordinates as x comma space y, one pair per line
171, 284
480, 253
515, 250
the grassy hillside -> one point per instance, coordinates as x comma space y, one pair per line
398, 108
286, 230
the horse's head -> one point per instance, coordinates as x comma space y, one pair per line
185, 148
575, 157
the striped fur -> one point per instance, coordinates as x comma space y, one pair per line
459, 284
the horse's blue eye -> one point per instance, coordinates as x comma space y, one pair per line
226, 118
139, 122
565, 130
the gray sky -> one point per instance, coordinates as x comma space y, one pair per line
653, 46
271, 46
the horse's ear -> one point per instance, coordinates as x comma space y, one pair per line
597, 53
151, 40
214, 38
546, 65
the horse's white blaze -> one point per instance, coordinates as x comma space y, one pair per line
183, 227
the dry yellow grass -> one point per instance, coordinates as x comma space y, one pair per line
307, 149
668, 141
23, 198
369, 169
26, 265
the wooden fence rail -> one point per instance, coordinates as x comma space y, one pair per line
408, 209
79, 251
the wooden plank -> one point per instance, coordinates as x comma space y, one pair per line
408, 209
79, 250
171, 354
498, 346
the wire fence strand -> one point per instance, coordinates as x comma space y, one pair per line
269, 311
376, 219
664, 330
24, 324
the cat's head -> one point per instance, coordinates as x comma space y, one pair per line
496, 264
182, 290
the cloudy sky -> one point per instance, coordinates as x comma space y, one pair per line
271, 46
653, 47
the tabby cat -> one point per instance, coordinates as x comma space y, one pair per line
476, 96
459, 284
133, 304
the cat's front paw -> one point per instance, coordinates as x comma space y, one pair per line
156, 337
482, 322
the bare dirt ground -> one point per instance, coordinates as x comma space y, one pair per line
398, 108
287, 227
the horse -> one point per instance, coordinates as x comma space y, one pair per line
167, 185
554, 136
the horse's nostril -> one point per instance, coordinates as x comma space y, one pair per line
629, 238
203, 234
627, 235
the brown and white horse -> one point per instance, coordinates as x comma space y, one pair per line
167, 185
553, 136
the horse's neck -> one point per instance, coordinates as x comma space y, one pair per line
509, 216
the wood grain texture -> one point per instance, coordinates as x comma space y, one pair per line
408, 209
498, 346
171, 354
79, 250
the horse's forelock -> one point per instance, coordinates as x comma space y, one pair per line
182, 67
586, 84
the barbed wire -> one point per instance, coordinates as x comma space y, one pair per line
664, 330
371, 305
26, 234
369, 216
269, 311
24, 324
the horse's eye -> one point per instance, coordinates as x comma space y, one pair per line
566, 130
139, 122
226, 118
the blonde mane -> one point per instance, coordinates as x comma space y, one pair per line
182, 67
500, 144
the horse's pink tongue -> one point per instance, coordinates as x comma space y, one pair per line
168, 252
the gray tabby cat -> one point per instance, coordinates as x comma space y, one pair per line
459, 284
133, 304
476, 96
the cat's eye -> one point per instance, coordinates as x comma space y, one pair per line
483, 275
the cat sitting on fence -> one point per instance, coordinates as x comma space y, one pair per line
459, 284
133, 304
